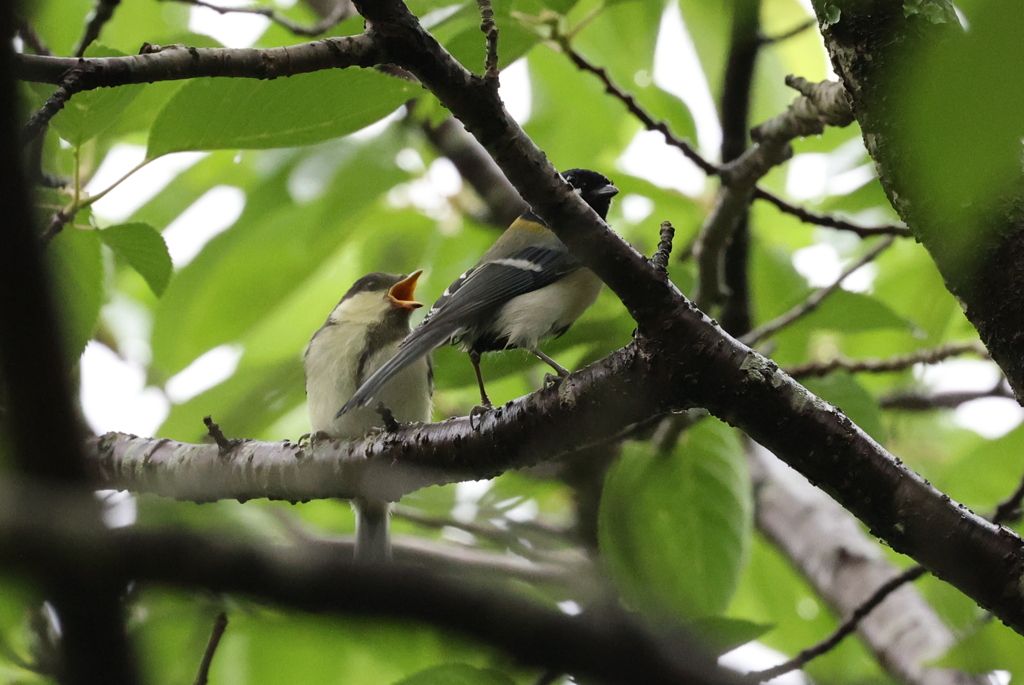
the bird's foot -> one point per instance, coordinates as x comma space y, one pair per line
478, 411
551, 380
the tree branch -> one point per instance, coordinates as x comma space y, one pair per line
102, 12
707, 167
38, 530
897, 363
173, 63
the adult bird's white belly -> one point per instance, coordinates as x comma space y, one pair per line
540, 314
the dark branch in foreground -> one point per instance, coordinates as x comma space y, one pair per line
42, 434
37, 530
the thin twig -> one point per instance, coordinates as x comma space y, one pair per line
31, 38
340, 12
102, 12
786, 35
1009, 509
38, 121
491, 33
634, 107
223, 442
664, 251
914, 401
707, 167
897, 363
220, 624
815, 300
844, 629
827, 220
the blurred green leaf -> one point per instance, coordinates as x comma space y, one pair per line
215, 114
144, 250
252, 398
847, 311
991, 647
248, 269
76, 267
674, 528
457, 674
721, 634
963, 101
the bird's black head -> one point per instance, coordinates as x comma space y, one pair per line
595, 188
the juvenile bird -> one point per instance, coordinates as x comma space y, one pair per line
526, 288
360, 335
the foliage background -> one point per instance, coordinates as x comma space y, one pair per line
323, 207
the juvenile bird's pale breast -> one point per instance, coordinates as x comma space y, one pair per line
337, 376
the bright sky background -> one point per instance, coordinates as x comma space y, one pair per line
113, 391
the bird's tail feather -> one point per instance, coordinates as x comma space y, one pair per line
420, 342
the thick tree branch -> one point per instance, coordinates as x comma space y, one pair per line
705, 366
176, 62
39, 530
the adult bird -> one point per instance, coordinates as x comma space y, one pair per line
526, 288
361, 334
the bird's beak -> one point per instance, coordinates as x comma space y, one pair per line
608, 191
401, 293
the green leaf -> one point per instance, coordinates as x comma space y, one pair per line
215, 114
144, 249
721, 634
963, 99
855, 312
89, 113
848, 395
674, 528
992, 647
457, 674
76, 266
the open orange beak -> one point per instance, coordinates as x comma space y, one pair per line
401, 293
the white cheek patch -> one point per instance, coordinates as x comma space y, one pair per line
522, 264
